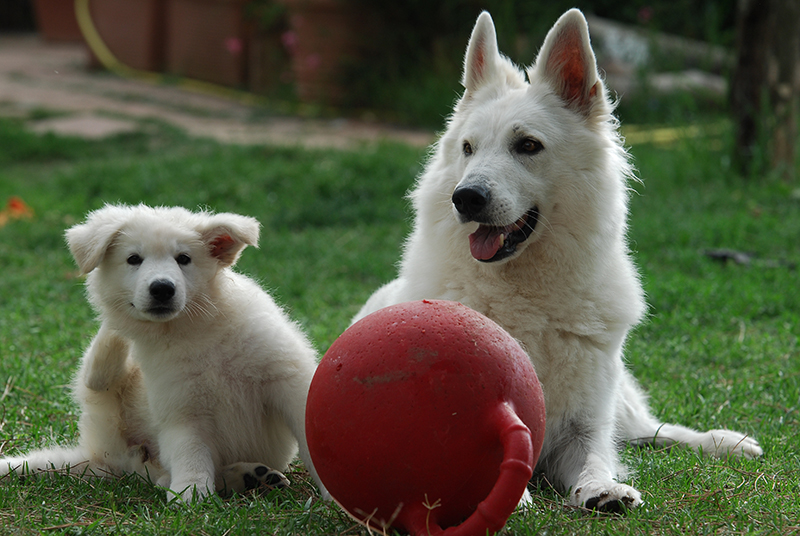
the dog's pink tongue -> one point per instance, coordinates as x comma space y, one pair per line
484, 243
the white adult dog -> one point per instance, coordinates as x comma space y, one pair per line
196, 378
521, 214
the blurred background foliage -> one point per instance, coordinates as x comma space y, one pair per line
414, 65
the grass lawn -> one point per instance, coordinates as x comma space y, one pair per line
719, 349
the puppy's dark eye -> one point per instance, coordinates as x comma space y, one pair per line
135, 260
467, 148
529, 146
183, 259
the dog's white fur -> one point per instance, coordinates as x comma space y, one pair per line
570, 292
194, 387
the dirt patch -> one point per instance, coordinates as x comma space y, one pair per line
37, 75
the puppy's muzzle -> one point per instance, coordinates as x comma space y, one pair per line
162, 305
162, 291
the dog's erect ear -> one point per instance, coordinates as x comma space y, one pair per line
226, 235
482, 61
89, 241
568, 62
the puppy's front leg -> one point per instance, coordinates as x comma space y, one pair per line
189, 462
104, 361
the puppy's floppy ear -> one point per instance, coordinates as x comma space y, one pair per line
482, 60
226, 235
568, 62
90, 240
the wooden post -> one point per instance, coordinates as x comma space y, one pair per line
765, 86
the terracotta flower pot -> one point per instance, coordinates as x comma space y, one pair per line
207, 40
325, 38
55, 20
133, 30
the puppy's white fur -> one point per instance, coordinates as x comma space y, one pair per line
195, 377
545, 143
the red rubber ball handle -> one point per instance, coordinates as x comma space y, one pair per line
516, 470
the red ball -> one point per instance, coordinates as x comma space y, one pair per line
426, 415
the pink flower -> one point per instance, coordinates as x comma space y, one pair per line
234, 45
289, 41
313, 61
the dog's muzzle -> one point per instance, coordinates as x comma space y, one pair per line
161, 293
491, 243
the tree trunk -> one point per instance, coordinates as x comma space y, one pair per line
765, 86
784, 89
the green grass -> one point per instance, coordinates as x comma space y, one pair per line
719, 349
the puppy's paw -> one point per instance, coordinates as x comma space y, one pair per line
241, 477
104, 362
609, 497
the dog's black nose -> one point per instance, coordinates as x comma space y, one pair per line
470, 200
162, 290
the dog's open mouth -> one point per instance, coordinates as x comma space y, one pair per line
490, 243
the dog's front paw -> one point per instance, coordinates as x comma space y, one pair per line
606, 497
240, 477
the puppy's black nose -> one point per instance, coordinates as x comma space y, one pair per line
470, 200
162, 290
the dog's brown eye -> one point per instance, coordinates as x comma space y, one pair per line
467, 148
529, 146
134, 260
183, 259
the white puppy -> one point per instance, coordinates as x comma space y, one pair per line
196, 378
521, 215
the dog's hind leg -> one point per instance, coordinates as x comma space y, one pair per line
637, 425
